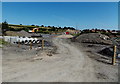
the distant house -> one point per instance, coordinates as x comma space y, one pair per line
93, 30
67, 33
114, 31
73, 31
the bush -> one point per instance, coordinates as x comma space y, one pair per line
46, 32
2, 42
26, 29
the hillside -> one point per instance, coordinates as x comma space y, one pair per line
24, 26
41, 29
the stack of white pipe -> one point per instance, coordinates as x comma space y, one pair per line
24, 40
27, 40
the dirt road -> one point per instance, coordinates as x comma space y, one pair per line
68, 64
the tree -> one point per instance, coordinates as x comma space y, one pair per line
65, 28
60, 28
42, 25
49, 26
32, 25
5, 27
26, 29
53, 28
37, 25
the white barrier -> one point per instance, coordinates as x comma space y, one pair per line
16, 39
1, 37
10, 39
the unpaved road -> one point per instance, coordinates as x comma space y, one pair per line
69, 64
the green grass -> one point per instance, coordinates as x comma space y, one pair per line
2, 42
76, 34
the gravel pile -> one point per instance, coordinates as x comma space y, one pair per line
95, 38
12, 33
108, 51
20, 33
24, 33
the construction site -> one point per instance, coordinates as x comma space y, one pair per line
60, 58
60, 41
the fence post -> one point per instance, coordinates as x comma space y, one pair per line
42, 44
30, 45
18, 43
10, 39
114, 55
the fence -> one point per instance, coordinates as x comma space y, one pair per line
10, 39
31, 42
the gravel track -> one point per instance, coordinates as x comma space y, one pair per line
68, 64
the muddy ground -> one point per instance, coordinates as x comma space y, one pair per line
65, 62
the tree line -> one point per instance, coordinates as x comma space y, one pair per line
6, 27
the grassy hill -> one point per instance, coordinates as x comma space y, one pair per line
25, 26
42, 29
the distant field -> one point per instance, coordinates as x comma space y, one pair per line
24, 26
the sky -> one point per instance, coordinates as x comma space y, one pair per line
59, 0
81, 15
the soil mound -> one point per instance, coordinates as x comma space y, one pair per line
96, 38
108, 51
11, 33
24, 33
21, 33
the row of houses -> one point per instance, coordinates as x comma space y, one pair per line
92, 31
101, 30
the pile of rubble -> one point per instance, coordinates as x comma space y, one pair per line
108, 51
95, 38
24, 33
20, 33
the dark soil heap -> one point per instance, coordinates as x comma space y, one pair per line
95, 38
20, 33
24, 33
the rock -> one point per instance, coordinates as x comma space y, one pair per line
49, 54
